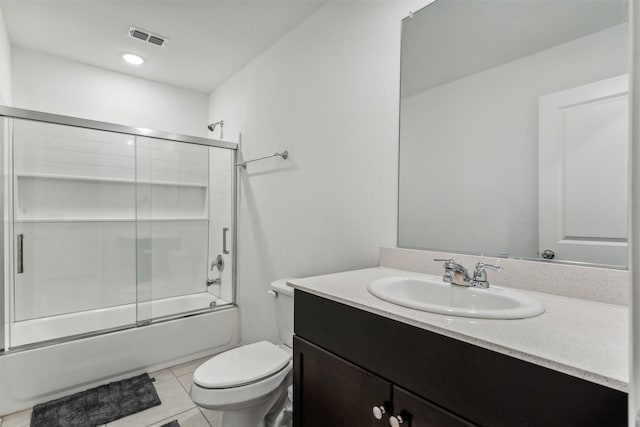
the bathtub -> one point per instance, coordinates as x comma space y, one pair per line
36, 375
54, 327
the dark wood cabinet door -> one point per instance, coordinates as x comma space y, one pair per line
331, 392
417, 412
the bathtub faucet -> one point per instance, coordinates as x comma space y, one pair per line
211, 282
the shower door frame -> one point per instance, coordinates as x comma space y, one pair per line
5, 132
6, 138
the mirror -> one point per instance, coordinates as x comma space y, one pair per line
514, 129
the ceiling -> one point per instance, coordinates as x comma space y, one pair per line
209, 39
449, 40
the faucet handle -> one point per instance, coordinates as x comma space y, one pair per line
482, 266
448, 266
480, 274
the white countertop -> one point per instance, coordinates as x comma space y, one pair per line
585, 339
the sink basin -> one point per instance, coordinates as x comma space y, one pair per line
433, 295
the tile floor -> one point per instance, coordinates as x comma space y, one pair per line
172, 385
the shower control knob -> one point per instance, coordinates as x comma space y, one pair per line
378, 412
396, 420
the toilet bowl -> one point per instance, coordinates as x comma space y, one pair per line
246, 381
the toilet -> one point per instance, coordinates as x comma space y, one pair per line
246, 381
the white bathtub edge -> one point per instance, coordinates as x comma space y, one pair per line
39, 375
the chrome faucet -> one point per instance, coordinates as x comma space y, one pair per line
219, 264
456, 274
211, 282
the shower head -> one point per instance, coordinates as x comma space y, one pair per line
212, 126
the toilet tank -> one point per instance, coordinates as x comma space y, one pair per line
283, 301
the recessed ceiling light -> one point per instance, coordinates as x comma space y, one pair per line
132, 58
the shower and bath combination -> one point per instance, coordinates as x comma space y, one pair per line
167, 191
130, 273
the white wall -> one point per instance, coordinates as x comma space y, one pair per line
328, 93
51, 84
472, 146
5, 64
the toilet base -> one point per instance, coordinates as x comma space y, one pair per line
250, 416
245, 418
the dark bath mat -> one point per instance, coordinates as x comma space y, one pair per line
173, 423
98, 405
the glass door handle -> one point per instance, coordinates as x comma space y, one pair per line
224, 240
20, 250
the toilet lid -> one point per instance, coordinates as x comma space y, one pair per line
241, 365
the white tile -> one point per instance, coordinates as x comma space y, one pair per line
174, 401
191, 418
162, 375
214, 417
18, 419
186, 380
189, 367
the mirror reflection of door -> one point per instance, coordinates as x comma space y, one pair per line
472, 77
583, 172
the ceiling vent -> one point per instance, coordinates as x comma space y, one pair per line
146, 36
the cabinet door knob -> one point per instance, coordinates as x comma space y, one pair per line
378, 412
395, 420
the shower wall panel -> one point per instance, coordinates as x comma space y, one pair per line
58, 151
75, 266
177, 258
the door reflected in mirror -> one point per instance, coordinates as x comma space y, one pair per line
514, 129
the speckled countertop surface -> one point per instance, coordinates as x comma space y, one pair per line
585, 339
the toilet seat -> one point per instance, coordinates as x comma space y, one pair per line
242, 366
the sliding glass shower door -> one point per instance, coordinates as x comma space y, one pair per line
73, 231
173, 230
111, 230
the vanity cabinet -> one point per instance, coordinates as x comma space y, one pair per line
348, 361
417, 412
335, 392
